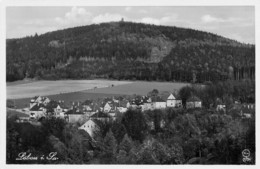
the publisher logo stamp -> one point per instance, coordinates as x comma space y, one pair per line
246, 155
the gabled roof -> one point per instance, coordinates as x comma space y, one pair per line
171, 97
36, 107
193, 99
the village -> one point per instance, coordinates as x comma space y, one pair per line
89, 113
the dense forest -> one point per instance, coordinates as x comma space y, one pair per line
133, 51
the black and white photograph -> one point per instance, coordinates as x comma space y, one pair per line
130, 85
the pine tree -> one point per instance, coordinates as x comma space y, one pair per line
126, 144
110, 144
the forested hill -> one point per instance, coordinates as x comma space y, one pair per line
126, 50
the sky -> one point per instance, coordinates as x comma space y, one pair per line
234, 22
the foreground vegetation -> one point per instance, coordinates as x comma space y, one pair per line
170, 136
196, 137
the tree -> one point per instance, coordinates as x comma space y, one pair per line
53, 126
135, 124
118, 130
153, 93
185, 93
126, 144
110, 148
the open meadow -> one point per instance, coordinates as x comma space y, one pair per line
80, 90
45, 88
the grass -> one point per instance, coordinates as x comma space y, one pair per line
44, 88
119, 88
12, 113
139, 88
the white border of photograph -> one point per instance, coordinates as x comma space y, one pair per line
6, 3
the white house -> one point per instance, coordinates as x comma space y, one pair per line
107, 108
59, 112
90, 127
160, 105
37, 111
171, 101
73, 115
122, 109
46, 101
148, 106
40, 100
221, 107
193, 102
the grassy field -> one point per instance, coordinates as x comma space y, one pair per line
81, 94
139, 88
10, 113
44, 88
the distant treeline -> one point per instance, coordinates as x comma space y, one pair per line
125, 50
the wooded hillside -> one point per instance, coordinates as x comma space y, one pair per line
126, 50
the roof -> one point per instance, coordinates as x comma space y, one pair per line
96, 121
100, 115
157, 99
171, 97
73, 111
123, 103
87, 102
193, 99
36, 107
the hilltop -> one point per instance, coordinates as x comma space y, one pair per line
130, 51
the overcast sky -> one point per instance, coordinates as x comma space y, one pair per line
232, 22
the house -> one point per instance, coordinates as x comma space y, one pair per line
90, 126
148, 106
40, 100
220, 105
110, 106
122, 106
158, 103
37, 111
128, 104
107, 107
193, 102
113, 114
247, 110
45, 100
88, 105
73, 115
132, 104
173, 101
23, 119
122, 109
100, 116
59, 112
151, 124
